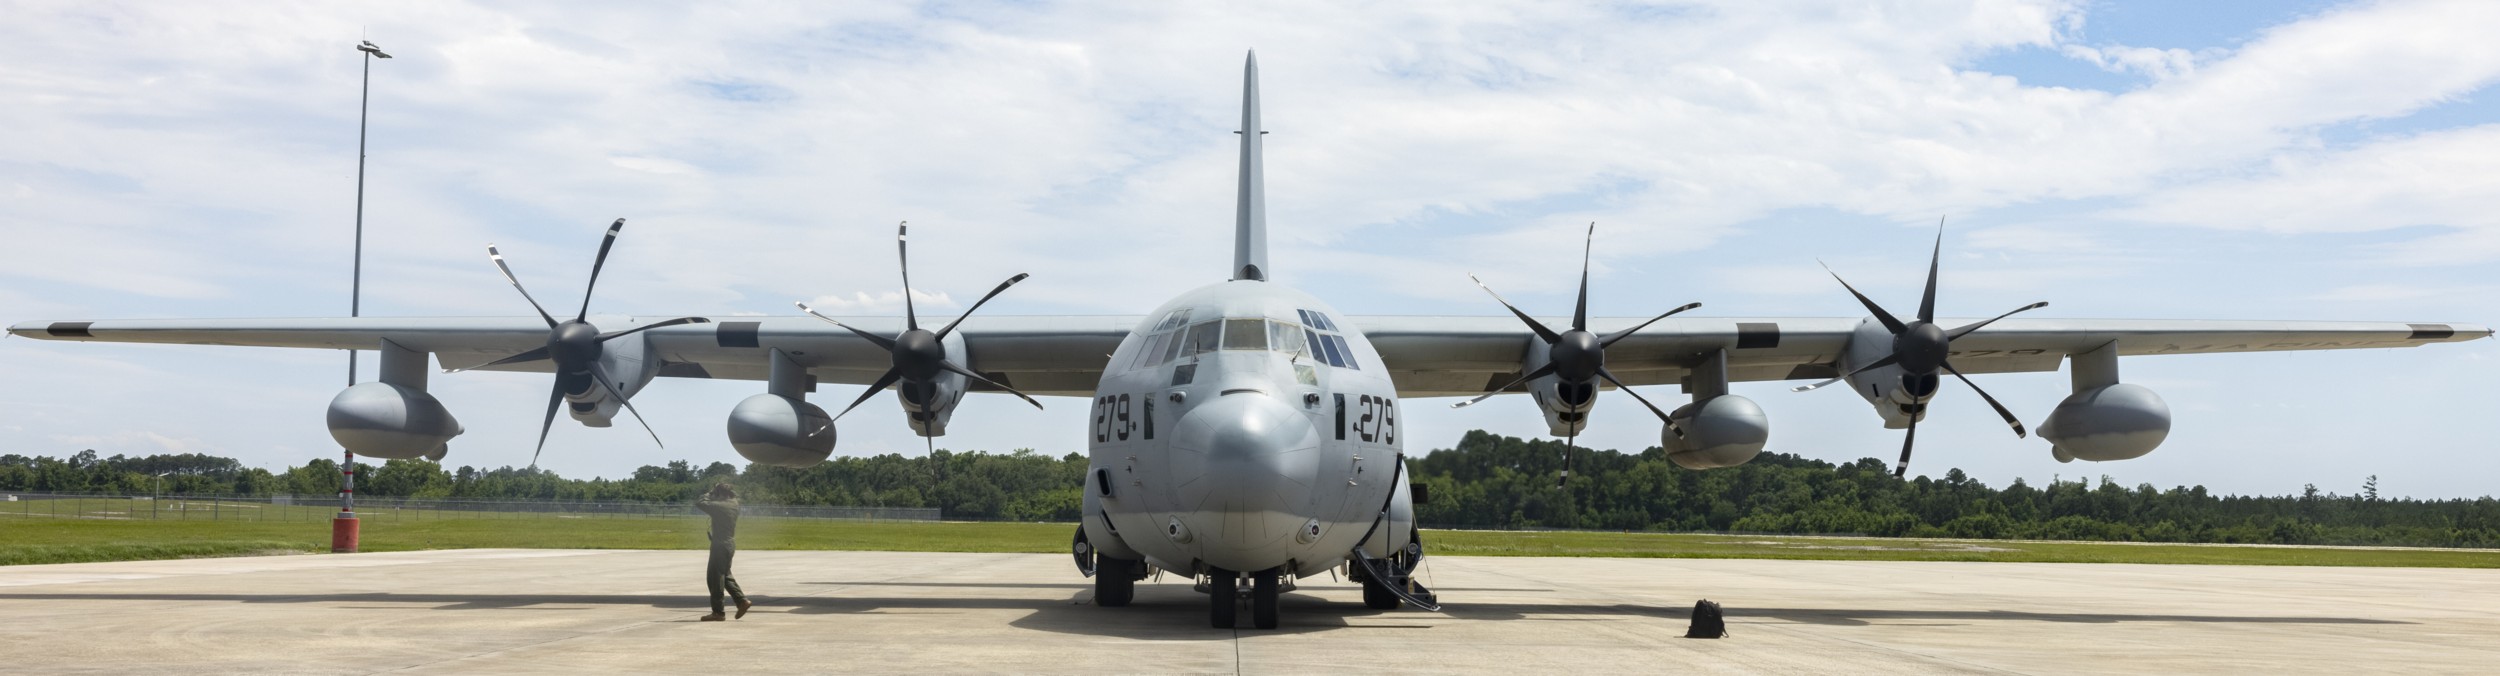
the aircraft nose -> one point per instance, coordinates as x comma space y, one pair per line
1244, 467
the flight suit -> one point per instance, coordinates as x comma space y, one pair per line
724, 545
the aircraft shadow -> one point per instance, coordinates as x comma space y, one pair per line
1174, 612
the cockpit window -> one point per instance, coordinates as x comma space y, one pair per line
1317, 320
1245, 334
1322, 341
1286, 338
1173, 320
1202, 338
1150, 354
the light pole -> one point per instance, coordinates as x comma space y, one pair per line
158, 494
343, 528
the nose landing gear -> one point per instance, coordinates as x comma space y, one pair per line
1224, 594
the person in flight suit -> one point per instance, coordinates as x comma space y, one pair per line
722, 505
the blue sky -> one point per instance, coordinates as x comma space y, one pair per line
2229, 160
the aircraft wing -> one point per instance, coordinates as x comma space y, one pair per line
1428, 356
1468, 356
1053, 355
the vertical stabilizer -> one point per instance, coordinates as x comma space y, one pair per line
1250, 216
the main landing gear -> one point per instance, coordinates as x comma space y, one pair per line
1224, 594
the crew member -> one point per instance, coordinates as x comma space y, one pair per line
722, 504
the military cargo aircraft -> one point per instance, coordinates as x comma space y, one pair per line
1246, 433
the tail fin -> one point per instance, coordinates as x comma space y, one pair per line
1250, 216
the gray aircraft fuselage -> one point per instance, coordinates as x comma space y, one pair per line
1243, 426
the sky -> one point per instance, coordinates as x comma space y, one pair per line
2219, 160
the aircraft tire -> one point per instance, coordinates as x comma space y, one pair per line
1263, 592
1377, 596
1223, 586
1115, 582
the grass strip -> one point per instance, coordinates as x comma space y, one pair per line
80, 540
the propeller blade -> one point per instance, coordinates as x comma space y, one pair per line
614, 391
1540, 372
555, 398
605, 337
1879, 363
883, 382
911, 318
1610, 339
959, 319
2010, 420
1541, 332
1580, 311
595, 264
965, 372
1974, 326
1927, 302
1653, 408
1903, 468
881, 341
497, 256
530, 356
1890, 324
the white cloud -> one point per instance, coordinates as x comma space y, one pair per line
2158, 64
135, 442
882, 302
2444, 179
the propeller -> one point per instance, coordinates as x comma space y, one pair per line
1920, 348
919, 354
1577, 357
575, 345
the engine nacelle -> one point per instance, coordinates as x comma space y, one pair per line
775, 430
1722, 431
927, 406
2112, 422
392, 422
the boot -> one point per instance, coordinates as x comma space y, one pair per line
714, 617
743, 605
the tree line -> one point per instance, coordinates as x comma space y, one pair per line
1484, 481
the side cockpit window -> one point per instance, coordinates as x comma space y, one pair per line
1324, 342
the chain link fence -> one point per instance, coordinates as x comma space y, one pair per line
31, 505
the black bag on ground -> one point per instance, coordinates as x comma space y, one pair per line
1708, 621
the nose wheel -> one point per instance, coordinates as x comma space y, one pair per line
1221, 587
1224, 594
1263, 593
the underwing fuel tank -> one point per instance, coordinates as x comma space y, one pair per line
388, 421
781, 431
2113, 422
1722, 431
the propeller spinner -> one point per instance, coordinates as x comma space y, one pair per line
919, 354
1577, 357
1921, 348
575, 345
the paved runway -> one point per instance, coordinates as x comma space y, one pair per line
516, 611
